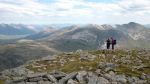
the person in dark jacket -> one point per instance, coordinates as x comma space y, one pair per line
108, 43
113, 42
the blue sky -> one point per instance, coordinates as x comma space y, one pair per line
74, 11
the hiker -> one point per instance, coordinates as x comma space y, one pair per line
108, 43
113, 42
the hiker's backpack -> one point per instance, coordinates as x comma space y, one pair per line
115, 42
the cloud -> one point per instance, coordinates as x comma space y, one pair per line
73, 11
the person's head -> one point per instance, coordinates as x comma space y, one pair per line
111, 37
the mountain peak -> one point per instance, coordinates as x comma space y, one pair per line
100, 27
134, 23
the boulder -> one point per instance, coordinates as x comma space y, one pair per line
98, 71
51, 78
79, 51
148, 76
121, 79
93, 79
87, 57
81, 77
44, 82
57, 74
102, 80
110, 76
19, 71
31, 83
49, 58
66, 78
130, 80
142, 82
18, 79
36, 75
35, 79
106, 66
70, 81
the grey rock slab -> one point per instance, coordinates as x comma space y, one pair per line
49, 58
66, 78
108, 76
141, 82
87, 57
92, 79
130, 80
44, 82
81, 77
102, 80
121, 78
18, 79
70, 81
35, 79
36, 75
31, 83
148, 76
58, 74
106, 66
51, 78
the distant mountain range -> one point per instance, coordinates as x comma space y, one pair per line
147, 25
52, 40
89, 36
16, 29
21, 29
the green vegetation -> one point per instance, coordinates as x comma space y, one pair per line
1, 82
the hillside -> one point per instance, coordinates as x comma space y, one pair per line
85, 67
14, 55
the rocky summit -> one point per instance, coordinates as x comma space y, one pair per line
84, 67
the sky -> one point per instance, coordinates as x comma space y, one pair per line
74, 11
